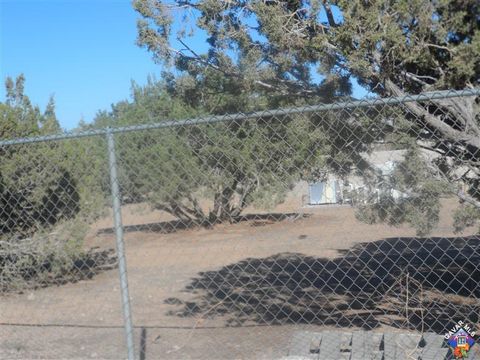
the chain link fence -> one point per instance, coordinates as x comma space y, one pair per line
242, 232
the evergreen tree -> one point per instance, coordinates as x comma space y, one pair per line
285, 52
36, 186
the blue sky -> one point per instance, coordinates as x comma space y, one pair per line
81, 51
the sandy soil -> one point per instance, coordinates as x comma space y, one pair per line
83, 320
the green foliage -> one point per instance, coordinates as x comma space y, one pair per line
231, 165
411, 194
466, 216
274, 53
49, 191
35, 189
44, 183
273, 45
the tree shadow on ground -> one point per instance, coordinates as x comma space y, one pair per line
167, 227
417, 283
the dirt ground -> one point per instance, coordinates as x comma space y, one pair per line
84, 320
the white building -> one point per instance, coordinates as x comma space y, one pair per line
336, 191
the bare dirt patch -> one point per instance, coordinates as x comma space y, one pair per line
162, 266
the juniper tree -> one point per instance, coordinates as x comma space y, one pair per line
46, 183
233, 164
296, 51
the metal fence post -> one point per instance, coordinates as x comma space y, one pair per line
122, 265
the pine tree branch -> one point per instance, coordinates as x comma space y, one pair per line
433, 121
467, 198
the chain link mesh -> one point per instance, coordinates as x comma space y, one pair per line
245, 232
52, 304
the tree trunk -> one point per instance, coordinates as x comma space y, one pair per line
222, 209
435, 122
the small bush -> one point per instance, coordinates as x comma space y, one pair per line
52, 258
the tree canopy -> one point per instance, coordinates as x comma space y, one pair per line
279, 45
230, 165
43, 184
276, 52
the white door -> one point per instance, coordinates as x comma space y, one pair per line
323, 192
316, 191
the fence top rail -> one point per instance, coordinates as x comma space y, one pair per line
436, 95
